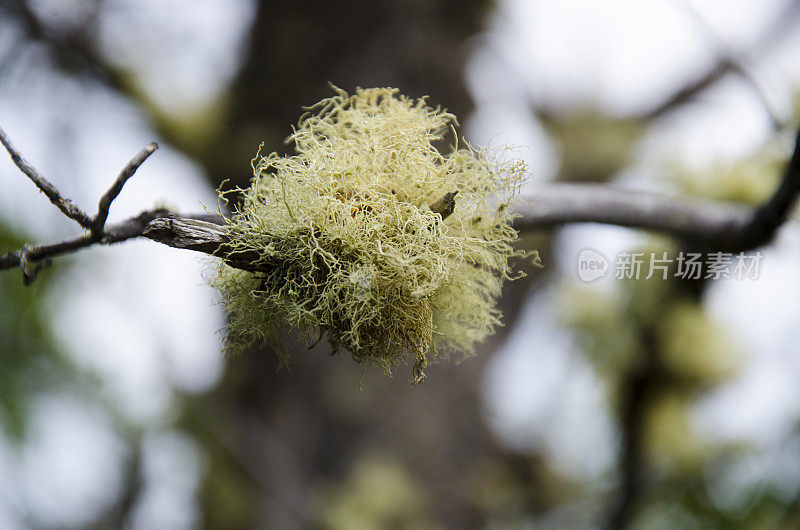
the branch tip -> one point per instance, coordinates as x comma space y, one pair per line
99, 221
67, 207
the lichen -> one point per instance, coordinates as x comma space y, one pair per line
341, 240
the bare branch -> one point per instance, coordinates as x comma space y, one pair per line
67, 207
770, 216
34, 259
112, 193
206, 235
722, 226
735, 62
780, 27
72, 51
680, 217
132, 228
691, 89
191, 234
31, 271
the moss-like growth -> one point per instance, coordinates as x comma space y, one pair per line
356, 236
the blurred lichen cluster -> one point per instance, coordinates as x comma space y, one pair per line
356, 237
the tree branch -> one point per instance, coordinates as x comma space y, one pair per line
33, 259
707, 224
780, 27
187, 233
680, 217
72, 50
67, 207
129, 229
718, 225
108, 197
638, 389
133, 227
771, 215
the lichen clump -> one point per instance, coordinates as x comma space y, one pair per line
352, 237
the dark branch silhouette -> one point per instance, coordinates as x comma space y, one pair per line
703, 223
67, 207
108, 197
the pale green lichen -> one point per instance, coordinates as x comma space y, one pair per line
342, 241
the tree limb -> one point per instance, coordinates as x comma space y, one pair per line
188, 233
67, 207
108, 197
717, 225
33, 259
129, 229
680, 217
133, 227
771, 215
777, 29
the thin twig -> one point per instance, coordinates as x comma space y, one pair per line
67, 207
72, 50
129, 229
780, 27
112, 193
133, 227
33, 259
734, 61
31, 271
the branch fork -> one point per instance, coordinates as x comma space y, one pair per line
33, 259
